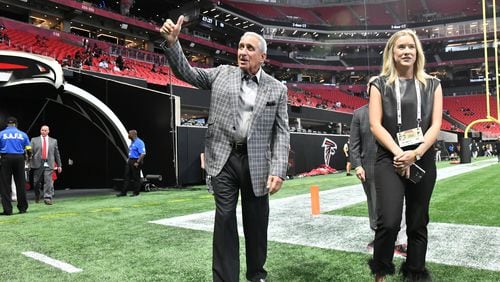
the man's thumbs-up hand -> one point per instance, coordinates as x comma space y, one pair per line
170, 31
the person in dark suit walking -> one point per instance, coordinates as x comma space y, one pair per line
45, 160
246, 147
363, 154
363, 151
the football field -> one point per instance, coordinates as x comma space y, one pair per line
166, 235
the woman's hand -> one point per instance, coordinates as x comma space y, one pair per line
403, 161
405, 172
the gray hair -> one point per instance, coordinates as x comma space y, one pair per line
262, 41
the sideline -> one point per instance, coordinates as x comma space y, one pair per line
450, 244
53, 262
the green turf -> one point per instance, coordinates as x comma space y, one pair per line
471, 198
111, 240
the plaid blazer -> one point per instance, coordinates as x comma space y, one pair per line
363, 148
268, 137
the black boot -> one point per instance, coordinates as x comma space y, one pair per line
415, 276
380, 268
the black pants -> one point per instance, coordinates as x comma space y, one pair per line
13, 165
370, 192
132, 174
391, 189
235, 175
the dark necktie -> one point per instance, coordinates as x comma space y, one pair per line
44, 148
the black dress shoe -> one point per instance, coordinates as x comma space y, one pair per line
22, 211
6, 213
121, 195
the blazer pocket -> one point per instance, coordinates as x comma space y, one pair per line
271, 103
268, 155
210, 129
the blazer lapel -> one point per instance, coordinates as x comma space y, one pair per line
51, 144
235, 91
261, 99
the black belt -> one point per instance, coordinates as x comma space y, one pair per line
239, 147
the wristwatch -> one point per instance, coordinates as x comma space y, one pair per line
417, 155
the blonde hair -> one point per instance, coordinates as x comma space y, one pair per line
389, 66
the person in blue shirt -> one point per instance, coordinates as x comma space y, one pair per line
13, 145
137, 152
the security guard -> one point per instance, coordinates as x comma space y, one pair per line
137, 152
13, 145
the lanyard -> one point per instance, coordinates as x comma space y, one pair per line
398, 99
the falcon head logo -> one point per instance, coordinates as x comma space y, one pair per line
329, 150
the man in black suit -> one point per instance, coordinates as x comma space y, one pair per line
363, 151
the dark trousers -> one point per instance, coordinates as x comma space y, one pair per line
42, 180
132, 174
36, 187
13, 165
391, 189
235, 175
369, 187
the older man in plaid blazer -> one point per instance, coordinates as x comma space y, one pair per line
246, 147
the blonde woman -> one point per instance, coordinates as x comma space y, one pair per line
405, 117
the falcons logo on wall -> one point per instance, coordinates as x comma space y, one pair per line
329, 150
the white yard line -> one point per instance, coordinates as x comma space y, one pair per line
291, 222
53, 262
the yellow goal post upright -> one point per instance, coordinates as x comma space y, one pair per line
465, 154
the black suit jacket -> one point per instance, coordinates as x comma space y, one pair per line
363, 147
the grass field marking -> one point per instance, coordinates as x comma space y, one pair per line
53, 262
181, 200
450, 244
150, 204
59, 215
9, 221
106, 210
463, 168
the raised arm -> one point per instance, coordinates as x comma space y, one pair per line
201, 78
